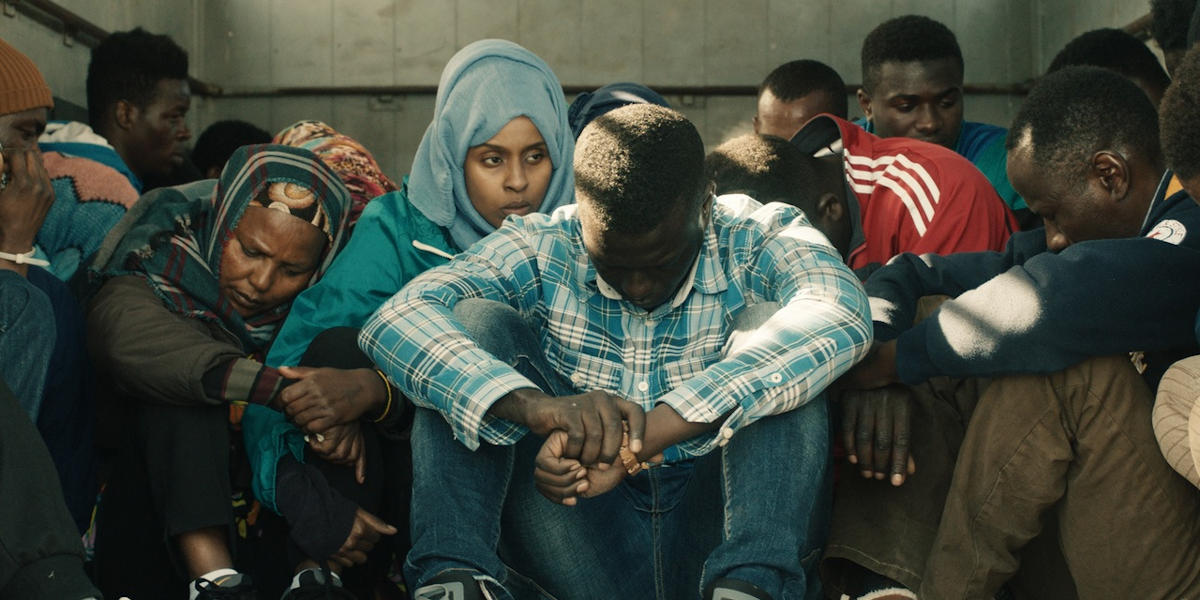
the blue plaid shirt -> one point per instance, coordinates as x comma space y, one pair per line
672, 355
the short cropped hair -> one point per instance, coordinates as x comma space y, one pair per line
1079, 110
764, 167
214, 147
800, 78
128, 65
636, 164
910, 38
1116, 50
1179, 115
1169, 22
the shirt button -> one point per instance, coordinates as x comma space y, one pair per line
577, 379
643, 386
726, 433
775, 378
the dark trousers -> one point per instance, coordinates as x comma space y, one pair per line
41, 556
180, 469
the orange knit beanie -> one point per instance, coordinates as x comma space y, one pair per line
21, 84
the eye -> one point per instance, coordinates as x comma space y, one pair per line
905, 106
949, 102
535, 157
491, 160
249, 252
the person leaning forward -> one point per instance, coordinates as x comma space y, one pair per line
709, 328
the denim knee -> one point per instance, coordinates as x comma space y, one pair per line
497, 328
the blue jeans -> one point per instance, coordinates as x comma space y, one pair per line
27, 334
668, 532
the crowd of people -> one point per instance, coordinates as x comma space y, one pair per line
567, 355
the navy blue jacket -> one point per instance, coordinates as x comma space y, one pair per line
1028, 310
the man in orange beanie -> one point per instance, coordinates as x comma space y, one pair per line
43, 556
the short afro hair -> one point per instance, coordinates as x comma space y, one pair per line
764, 167
910, 38
1179, 115
128, 65
800, 78
1076, 111
636, 164
1116, 50
214, 147
1169, 22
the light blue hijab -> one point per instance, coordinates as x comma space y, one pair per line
483, 87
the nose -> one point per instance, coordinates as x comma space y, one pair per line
185, 134
929, 121
514, 177
637, 287
260, 278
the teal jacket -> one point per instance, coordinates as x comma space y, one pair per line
392, 243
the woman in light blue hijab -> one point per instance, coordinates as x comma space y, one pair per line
454, 195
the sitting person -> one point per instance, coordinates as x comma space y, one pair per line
695, 324
878, 197
217, 142
1075, 325
138, 99
1169, 28
494, 148
1119, 51
912, 86
794, 93
589, 105
352, 162
1177, 405
195, 282
39, 206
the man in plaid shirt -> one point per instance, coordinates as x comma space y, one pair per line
633, 335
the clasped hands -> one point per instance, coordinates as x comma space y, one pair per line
326, 404
583, 439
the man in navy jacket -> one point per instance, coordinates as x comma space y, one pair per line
1076, 323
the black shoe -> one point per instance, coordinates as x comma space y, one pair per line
458, 584
734, 589
233, 587
317, 584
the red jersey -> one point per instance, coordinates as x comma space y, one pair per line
909, 195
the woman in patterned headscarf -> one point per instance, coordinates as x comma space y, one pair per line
193, 285
348, 158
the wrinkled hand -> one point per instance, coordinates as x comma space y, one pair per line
594, 423
875, 371
364, 534
343, 445
324, 397
876, 432
25, 201
564, 480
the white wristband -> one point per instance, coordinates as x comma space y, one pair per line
25, 258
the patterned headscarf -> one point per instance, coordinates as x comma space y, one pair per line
483, 87
174, 237
348, 158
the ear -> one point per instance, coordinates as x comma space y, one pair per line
126, 113
710, 196
755, 124
864, 102
830, 209
1111, 171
